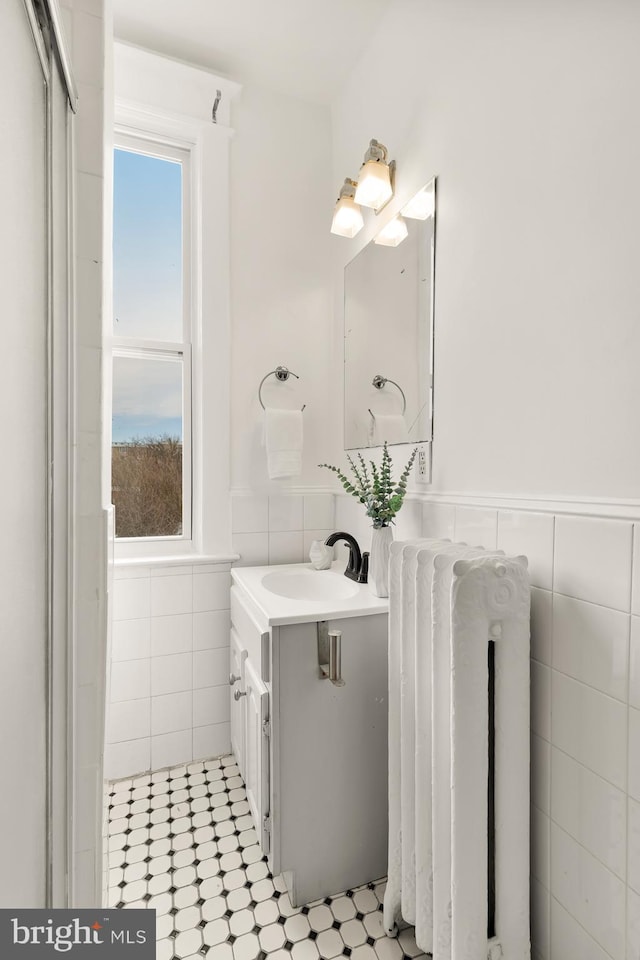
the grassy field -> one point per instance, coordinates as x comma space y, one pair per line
146, 482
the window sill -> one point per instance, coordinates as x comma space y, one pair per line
189, 560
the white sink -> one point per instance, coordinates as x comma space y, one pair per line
296, 593
309, 584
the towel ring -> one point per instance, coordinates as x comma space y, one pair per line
282, 374
379, 381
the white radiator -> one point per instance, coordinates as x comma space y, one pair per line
458, 795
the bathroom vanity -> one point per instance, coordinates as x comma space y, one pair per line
312, 751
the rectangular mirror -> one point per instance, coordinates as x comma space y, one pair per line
388, 334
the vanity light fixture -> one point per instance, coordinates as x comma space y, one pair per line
347, 216
422, 206
375, 181
393, 233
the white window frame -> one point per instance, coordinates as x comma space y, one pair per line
147, 349
162, 100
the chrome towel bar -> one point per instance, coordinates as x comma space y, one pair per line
281, 373
379, 381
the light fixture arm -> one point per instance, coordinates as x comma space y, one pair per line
348, 188
376, 151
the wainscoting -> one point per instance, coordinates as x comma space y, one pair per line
585, 676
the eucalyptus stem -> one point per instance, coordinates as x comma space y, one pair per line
373, 485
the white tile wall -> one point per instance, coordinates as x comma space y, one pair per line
569, 939
279, 528
286, 513
541, 624
592, 560
591, 810
477, 527
252, 547
634, 753
250, 514
131, 640
585, 720
591, 644
170, 642
530, 534
633, 924
635, 596
593, 895
286, 547
634, 663
585, 675
633, 846
211, 629
590, 727
439, 519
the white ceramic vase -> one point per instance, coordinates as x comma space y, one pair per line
381, 539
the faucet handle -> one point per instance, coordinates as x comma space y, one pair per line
363, 573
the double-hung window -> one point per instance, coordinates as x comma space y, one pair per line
151, 402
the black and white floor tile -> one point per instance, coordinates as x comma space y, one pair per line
182, 841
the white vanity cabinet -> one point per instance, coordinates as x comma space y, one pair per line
256, 752
313, 753
237, 657
249, 660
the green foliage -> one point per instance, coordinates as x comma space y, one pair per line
375, 487
147, 487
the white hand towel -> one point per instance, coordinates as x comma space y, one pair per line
391, 427
283, 440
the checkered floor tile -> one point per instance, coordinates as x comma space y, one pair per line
182, 842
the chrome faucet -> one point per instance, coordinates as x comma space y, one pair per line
358, 564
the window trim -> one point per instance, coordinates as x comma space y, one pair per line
160, 99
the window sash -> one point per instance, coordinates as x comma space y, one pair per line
141, 348
183, 354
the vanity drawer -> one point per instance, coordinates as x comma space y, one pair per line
252, 637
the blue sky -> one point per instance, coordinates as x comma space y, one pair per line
147, 292
147, 399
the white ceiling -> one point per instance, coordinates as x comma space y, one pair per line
301, 47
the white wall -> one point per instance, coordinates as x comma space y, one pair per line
281, 304
523, 111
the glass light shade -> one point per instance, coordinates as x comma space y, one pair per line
347, 218
420, 207
374, 184
393, 234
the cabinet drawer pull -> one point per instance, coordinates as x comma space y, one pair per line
233, 679
239, 693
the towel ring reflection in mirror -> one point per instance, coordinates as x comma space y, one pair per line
282, 374
379, 381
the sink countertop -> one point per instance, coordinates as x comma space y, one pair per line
278, 610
